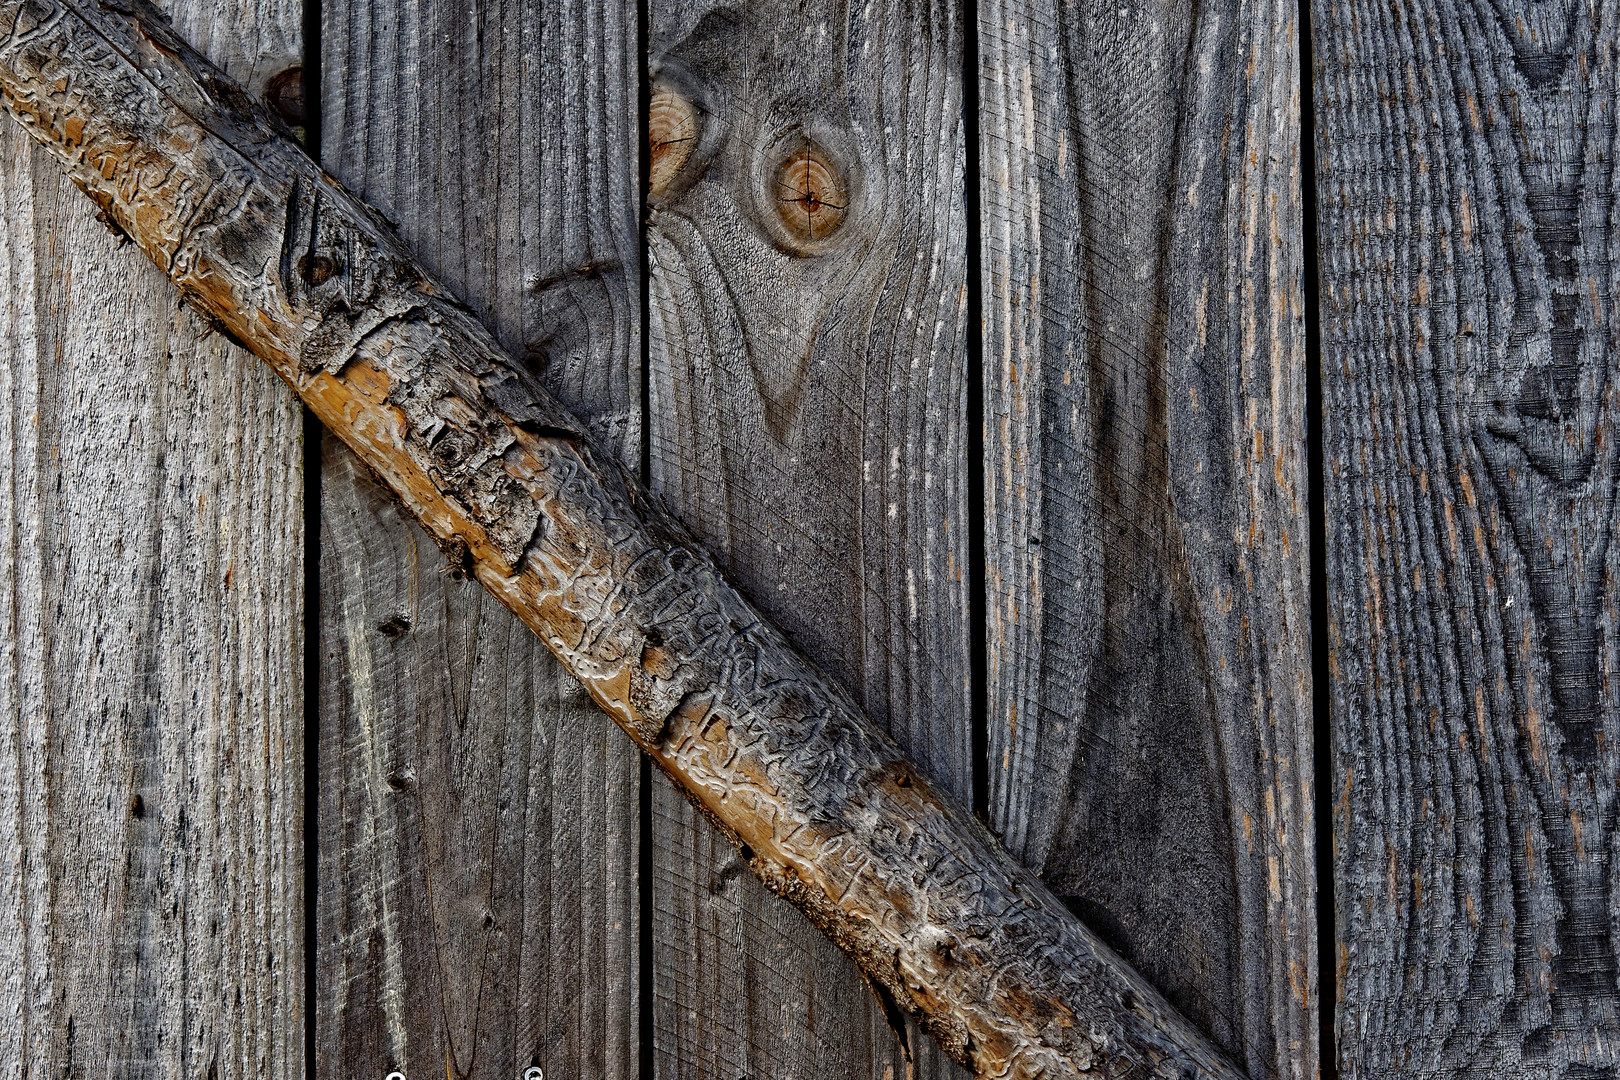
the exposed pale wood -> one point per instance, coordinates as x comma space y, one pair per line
479, 827
1150, 692
151, 736
819, 800
1467, 178
809, 423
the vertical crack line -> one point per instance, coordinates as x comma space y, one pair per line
644, 846
1315, 451
978, 512
313, 433
644, 181
644, 888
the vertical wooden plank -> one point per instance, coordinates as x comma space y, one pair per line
808, 422
1144, 370
151, 734
1466, 188
478, 908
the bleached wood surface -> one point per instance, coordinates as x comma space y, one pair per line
151, 689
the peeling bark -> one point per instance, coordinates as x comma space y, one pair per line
818, 800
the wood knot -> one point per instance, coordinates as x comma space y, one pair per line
285, 92
811, 196
672, 136
318, 269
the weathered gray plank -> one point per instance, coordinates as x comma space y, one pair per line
1150, 694
1466, 187
808, 422
478, 906
151, 735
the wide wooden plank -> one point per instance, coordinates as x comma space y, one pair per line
151, 580
1144, 408
1466, 184
479, 816
808, 422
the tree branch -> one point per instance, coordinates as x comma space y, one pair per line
819, 801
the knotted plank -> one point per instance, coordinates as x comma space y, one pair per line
808, 373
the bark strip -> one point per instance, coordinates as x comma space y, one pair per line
819, 801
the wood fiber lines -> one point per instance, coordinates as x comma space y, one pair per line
1466, 183
1150, 727
479, 836
816, 798
151, 677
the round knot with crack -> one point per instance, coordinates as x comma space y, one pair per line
672, 135
811, 196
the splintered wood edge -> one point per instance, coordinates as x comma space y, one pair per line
819, 801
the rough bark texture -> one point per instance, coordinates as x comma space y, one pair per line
1150, 691
151, 690
479, 823
1467, 176
808, 422
820, 802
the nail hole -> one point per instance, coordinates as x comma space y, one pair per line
394, 626
672, 135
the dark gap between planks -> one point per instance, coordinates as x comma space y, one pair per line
313, 433
978, 600
1321, 763
644, 842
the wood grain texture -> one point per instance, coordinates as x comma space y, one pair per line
151, 735
1144, 370
817, 798
1466, 157
808, 423
479, 901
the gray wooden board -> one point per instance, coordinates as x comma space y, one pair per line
1148, 600
1466, 185
151, 732
478, 815
808, 421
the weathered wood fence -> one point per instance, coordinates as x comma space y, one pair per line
1018, 440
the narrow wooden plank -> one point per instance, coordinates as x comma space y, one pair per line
478, 818
1466, 190
151, 731
808, 422
1150, 692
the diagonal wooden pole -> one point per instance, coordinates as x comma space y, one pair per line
820, 802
